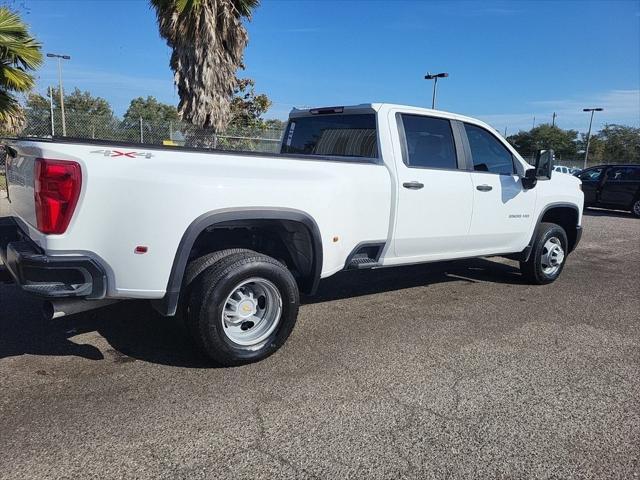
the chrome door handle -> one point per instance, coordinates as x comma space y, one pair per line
413, 185
484, 188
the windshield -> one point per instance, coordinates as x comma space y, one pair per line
332, 135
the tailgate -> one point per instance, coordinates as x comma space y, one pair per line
20, 184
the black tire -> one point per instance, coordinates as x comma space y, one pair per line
209, 294
193, 270
635, 208
532, 269
199, 265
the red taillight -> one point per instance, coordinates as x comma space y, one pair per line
57, 188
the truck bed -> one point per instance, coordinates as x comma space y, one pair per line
8, 141
136, 194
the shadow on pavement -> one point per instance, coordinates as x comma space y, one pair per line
356, 283
132, 329
135, 331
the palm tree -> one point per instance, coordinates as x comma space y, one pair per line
208, 41
19, 53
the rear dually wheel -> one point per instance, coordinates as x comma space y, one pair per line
242, 307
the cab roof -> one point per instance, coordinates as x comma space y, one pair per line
376, 107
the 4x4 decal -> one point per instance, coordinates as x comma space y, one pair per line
120, 153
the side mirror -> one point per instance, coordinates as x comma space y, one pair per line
529, 180
544, 164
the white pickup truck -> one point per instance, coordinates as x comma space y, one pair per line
228, 239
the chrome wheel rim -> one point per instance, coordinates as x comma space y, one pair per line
636, 208
251, 312
552, 256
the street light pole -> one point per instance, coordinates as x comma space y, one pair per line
435, 77
61, 57
586, 151
53, 128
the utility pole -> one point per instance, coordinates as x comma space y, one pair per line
141, 134
53, 128
435, 78
534, 122
586, 150
553, 119
61, 57
505, 132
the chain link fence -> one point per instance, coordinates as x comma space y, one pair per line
176, 133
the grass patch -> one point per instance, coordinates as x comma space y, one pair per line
3, 182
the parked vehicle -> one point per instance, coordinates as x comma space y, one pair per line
612, 186
562, 169
227, 240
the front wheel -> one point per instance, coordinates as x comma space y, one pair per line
635, 208
242, 308
548, 255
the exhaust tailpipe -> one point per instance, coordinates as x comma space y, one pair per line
70, 306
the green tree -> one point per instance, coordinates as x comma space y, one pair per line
275, 124
19, 54
157, 120
83, 103
150, 110
75, 103
247, 106
208, 40
596, 148
247, 124
564, 142
37, 114
620, 143
86, 115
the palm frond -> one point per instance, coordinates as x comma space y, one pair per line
15, 79
19, 53
16, 45
12, 118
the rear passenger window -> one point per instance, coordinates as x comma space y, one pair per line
633, 173
429, 142
623, 174
489, 154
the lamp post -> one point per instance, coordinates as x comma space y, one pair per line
435, 77
61, 57
586, 151
53, 128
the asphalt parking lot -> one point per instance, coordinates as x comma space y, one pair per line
446, 370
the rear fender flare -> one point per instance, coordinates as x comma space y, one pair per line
168, 305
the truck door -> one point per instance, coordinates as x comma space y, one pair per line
591, 180
434, 190
502, 208
620, 186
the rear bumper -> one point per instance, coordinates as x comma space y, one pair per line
51, 276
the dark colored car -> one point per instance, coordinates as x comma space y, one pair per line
612, 186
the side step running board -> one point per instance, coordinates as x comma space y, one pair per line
360, 263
